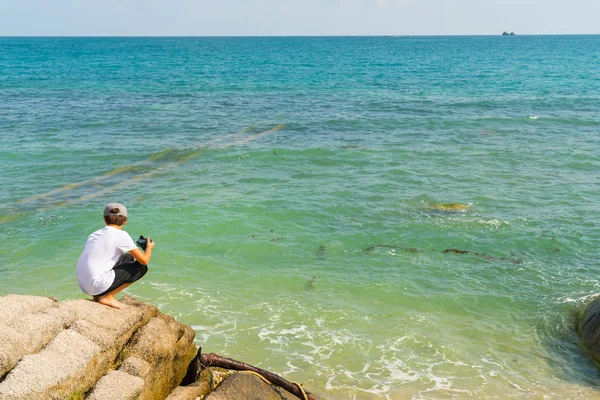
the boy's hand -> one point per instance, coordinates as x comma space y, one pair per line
149, 244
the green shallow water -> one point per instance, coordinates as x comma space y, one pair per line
297, 190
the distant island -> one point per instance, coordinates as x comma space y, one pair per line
508, 34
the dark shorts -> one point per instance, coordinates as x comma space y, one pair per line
127, 270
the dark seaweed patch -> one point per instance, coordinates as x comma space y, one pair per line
374, 247
390, 246
321, 252
311, 284
514, 261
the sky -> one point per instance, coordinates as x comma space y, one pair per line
296, 17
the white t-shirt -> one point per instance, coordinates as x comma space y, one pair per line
103, 249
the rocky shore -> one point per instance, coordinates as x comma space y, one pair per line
80, 349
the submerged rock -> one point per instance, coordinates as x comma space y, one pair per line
311, 284
451, 207
321, 252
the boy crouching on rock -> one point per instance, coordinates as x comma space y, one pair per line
110, 260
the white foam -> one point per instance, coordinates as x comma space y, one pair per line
292, 368
314, 346
294, 331
579, 300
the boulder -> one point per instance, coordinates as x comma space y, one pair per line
249, 387
167, 347
28, 323
13, 306
588, 327
82, 349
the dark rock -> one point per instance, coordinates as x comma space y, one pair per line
248, 387
588, 327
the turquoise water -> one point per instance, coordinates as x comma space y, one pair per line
299, 191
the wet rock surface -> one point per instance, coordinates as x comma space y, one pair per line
588, 327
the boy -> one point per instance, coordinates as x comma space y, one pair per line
110, 260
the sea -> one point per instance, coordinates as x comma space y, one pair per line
373, 217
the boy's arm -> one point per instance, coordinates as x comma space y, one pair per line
143, 257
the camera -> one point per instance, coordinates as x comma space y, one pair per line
142, 242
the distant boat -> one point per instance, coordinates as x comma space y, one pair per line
508, 34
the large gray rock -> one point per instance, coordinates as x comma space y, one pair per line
13, 306
168, 348
28, 323
56, 372
82, 349
11, 350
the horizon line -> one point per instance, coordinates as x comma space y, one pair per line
293, 36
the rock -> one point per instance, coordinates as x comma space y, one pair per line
66, 366
588, 327
14, 306
214, 376
136, 367
168, 348
117, 385
190, 392
249, 387
28, 324
81, 349
452, 207
11, 349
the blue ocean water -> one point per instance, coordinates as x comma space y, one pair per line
377, 217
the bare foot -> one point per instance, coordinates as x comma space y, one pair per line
110, 301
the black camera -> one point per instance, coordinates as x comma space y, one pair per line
142, 242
